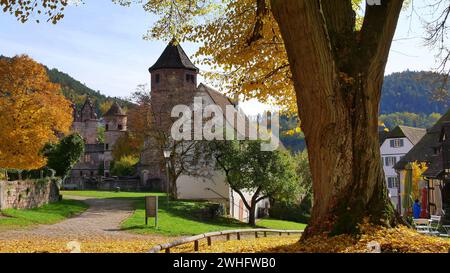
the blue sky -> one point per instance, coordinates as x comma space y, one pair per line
100, 44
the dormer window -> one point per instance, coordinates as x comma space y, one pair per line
396, 143
157, 78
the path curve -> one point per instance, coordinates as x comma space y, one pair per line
101, 219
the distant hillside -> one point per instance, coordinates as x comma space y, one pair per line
76, 91
413, 92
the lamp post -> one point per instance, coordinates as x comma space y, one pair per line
167, 153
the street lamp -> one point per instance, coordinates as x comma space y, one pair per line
167, 153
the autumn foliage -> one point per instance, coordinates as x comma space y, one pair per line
33, 112
387, 240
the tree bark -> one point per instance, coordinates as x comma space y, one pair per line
251, 216
338, 74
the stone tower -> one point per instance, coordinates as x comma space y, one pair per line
173, 82
85, 122
115, 126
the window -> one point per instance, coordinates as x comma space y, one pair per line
87, 158
157, 78
120, 127
190, 78
107, 127
390, 160
396, 143
81, 173
392, 182
92, 173
106, 146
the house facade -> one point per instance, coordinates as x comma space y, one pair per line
430, 150
438, 176
396, 144
174, 82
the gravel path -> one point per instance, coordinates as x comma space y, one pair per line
101, 220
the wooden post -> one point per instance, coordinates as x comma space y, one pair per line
238, 236
256, 234
280, 233
167, 250
196, 245
228, 237
151, 209
265, 234
209, 241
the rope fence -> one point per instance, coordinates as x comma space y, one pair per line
257, 232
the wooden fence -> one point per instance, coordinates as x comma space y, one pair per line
227, 233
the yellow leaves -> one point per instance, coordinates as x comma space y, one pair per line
418, 168
294, 131
87, 245
32, 113
243, 246
400, 239
52, 9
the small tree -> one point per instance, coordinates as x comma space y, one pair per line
125, 166
62, 156
262, 174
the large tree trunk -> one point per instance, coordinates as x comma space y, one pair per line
338, 74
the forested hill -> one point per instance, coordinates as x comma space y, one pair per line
412, 92
77, 91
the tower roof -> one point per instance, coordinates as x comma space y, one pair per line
115, 110
173, 57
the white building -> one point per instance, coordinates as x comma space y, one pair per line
395, 145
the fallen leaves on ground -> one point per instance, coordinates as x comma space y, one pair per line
398, 240
94, 245
390, 240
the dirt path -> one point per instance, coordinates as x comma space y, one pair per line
101, 220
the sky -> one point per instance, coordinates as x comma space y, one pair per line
101, 44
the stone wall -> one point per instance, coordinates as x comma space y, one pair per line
26, 194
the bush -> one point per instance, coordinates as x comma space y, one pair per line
291, 212
216, 210
125, 166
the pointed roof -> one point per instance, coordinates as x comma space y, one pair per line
413, 134
115, 110
173, 57
91, 114
423, 151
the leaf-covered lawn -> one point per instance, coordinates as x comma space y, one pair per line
390, 240
94, 245
47, 214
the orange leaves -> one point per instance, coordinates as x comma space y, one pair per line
32, 113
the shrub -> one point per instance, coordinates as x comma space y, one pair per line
124, 166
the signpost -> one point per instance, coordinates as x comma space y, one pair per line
151, 209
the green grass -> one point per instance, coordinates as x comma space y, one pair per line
47, 214
280, 224
179, 217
